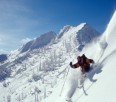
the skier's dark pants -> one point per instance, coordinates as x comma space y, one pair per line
85, 68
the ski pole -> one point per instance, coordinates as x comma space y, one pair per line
64, 81
66, 75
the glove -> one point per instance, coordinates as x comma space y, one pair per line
71, 64
93, 62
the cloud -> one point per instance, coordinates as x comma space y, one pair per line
2, 51
24, 41
6, 39
3, 39
0, 40
8, 42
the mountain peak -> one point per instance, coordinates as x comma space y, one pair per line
39, 42
82, 24
86, 33
82, 31
64, 30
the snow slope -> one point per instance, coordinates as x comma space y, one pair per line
103, 90
101, 81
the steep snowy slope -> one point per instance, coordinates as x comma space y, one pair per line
33, 75
101, 81
103, 90
64, 30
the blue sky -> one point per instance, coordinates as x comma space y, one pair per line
23, 20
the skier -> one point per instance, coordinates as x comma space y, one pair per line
83, 62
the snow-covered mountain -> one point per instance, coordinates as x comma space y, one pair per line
99, 86
33, 72
39, 42
81, 34
63, 30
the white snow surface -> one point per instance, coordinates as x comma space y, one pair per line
99, 86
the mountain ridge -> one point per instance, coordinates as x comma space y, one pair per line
39, 42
